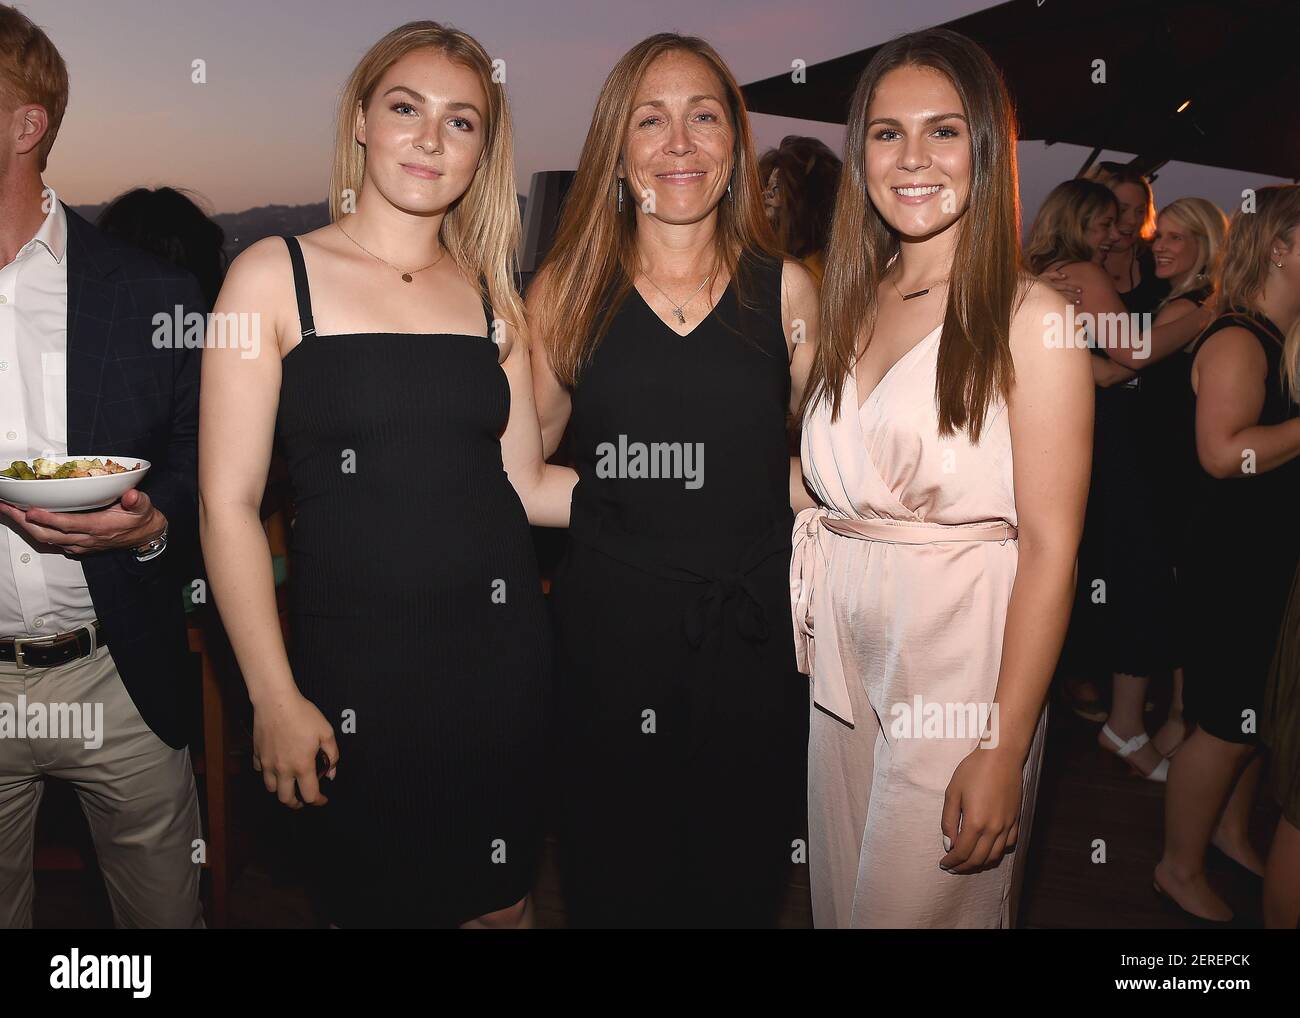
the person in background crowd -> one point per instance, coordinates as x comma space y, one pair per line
90, 611
1126, 257
168, 223
1123, 618
802, 176
1279, 730
1188, 251
1243, 544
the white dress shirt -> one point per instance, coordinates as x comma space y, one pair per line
42, 592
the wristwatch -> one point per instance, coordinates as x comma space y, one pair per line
152, 549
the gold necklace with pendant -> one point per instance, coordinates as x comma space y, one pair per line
406, 276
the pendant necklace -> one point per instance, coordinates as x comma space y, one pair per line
677, 308
406, 276
917, 293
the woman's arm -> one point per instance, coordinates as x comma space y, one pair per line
546, 490
1229, 376
799, 318
238, 399
551, 399
1050, 412
1131, 349
1105, 372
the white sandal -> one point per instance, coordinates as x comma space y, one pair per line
1124, 749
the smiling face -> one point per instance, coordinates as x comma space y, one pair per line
918, 153
1176, 249
423, 131
1101, 232
1132, 210
680, 141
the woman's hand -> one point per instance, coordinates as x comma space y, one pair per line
286, 737
981, 810
1059, 281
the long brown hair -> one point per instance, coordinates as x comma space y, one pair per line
808, 174
1058, 232
595, 245
986, 278
481, 230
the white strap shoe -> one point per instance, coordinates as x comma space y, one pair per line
1124, 749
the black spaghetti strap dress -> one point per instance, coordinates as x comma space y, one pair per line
684, 717
418, 625
1242, 555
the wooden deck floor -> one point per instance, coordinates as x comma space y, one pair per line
1084, 795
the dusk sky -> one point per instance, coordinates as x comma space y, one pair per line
259, 130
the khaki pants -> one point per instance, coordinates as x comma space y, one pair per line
137, 793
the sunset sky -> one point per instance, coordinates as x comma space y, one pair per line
259, 130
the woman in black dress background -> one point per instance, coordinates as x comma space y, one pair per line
396, 378
1188, 251
1123, 615
1244, 544
670, 322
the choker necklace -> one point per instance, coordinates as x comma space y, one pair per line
406, 276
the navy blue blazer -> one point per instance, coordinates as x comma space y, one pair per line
128, 397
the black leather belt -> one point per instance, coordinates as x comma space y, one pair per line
48, 651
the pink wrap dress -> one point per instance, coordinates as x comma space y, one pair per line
900, 583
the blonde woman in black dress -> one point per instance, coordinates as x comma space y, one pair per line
394, 372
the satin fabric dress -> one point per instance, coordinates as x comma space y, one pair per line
900, 583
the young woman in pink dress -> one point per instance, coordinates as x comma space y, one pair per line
933, 584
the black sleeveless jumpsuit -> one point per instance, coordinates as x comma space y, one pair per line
684, 720
418, 625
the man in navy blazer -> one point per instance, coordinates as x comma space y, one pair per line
96, 682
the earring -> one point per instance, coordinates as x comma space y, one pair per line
620, 194
729, 194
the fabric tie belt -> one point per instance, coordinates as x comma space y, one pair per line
810, 598
723, 592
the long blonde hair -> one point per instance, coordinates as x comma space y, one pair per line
481, 230
1206, 222
595, 244
1060, 227
1275, 216
986, 280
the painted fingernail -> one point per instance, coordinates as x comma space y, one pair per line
947, 843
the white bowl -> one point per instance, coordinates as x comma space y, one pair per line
69, 494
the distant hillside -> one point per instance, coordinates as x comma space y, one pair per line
251, 225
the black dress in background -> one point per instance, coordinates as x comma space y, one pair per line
1128, 625
1168, 426
417, 611
1242, 554
684, 728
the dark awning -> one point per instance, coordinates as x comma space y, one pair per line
1232, 62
